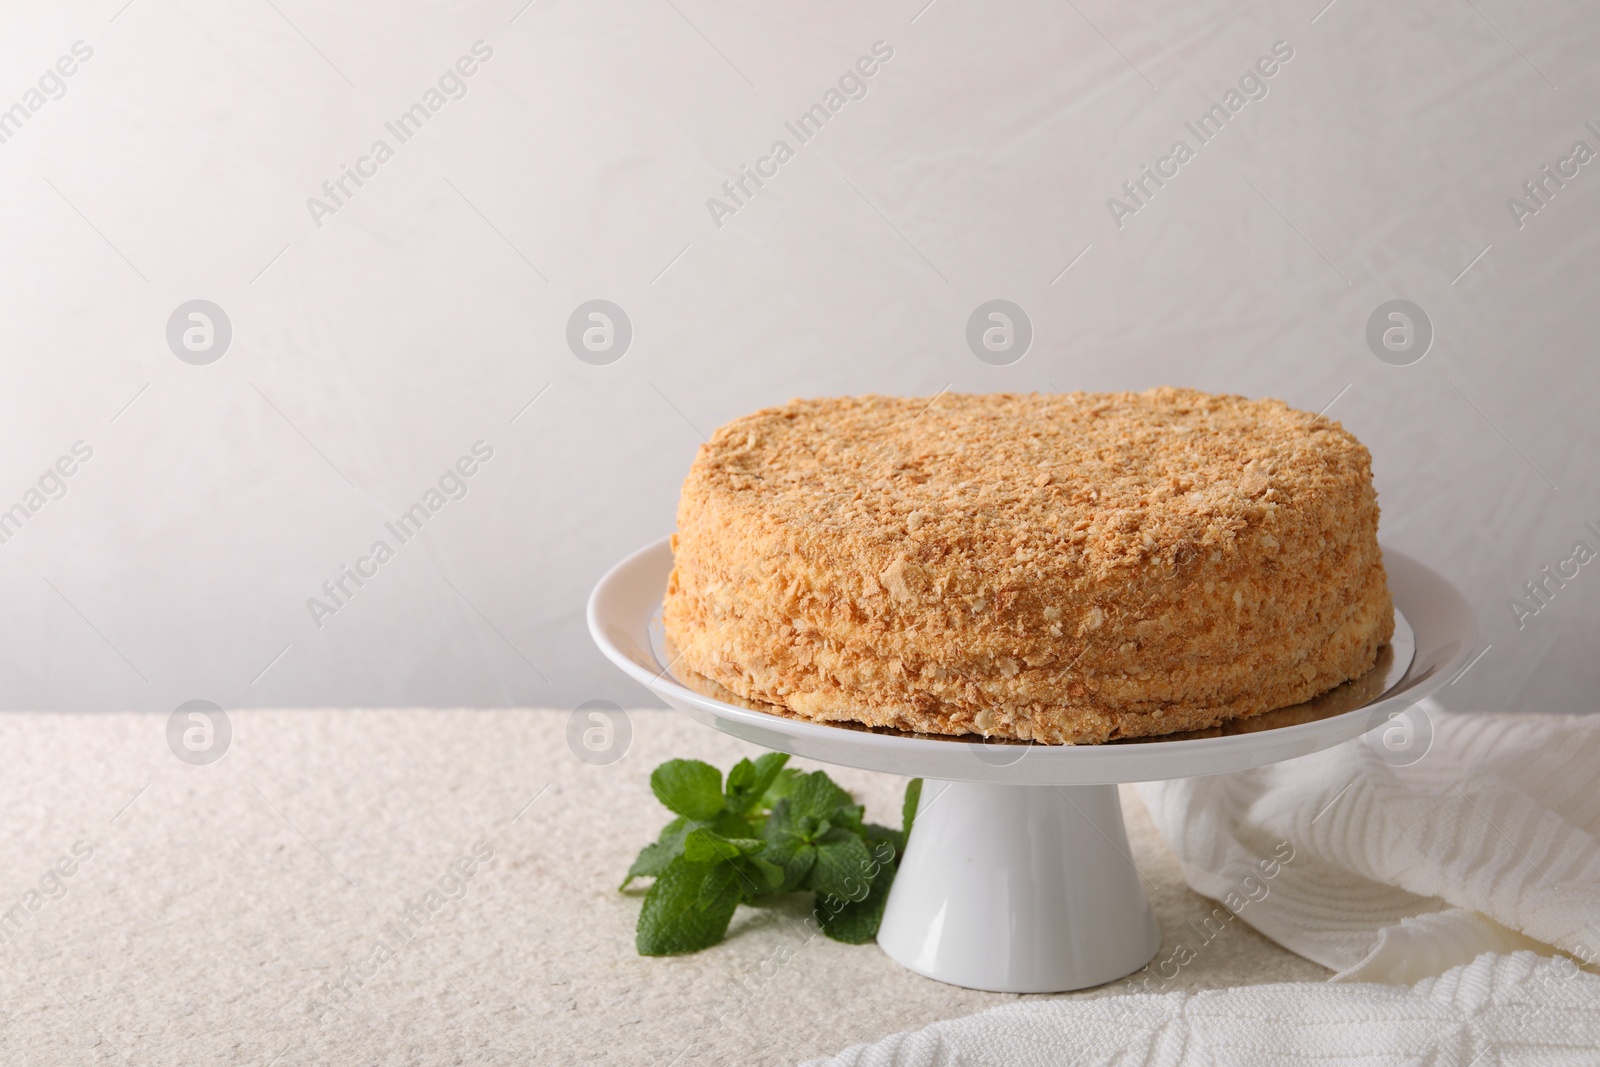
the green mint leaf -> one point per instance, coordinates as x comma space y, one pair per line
780, 823
815, 799
654, 857
844, 868
723, 881
796, 863
783, 784
908, 809
787, 849
748, 782
772, 874
672, 919
878, 836
689, 788
740, 781
704, 846
768, 765
857, 922
730, 825
849, 817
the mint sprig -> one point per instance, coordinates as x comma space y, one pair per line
770, 830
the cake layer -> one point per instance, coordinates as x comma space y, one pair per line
1060, 568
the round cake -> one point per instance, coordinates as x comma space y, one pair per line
1066, 569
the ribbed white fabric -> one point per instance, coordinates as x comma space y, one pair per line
1439, 891
1487, 843
1497, 1010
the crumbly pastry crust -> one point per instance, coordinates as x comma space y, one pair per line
1066, 569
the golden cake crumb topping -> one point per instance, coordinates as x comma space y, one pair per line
1064, 567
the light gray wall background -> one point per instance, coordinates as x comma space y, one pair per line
369, 352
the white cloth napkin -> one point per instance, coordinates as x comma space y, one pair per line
1407, 862
1437, 864
1497, 1010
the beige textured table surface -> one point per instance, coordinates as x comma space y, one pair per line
222, 904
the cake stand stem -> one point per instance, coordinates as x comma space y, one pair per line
1019, 889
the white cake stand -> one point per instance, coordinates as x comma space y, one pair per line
1018, 877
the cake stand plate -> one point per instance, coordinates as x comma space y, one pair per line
1018, 877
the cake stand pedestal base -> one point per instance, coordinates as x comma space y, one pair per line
1019, 889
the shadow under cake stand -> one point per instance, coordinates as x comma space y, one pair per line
1018, 877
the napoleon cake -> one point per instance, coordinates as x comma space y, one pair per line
1065, 569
